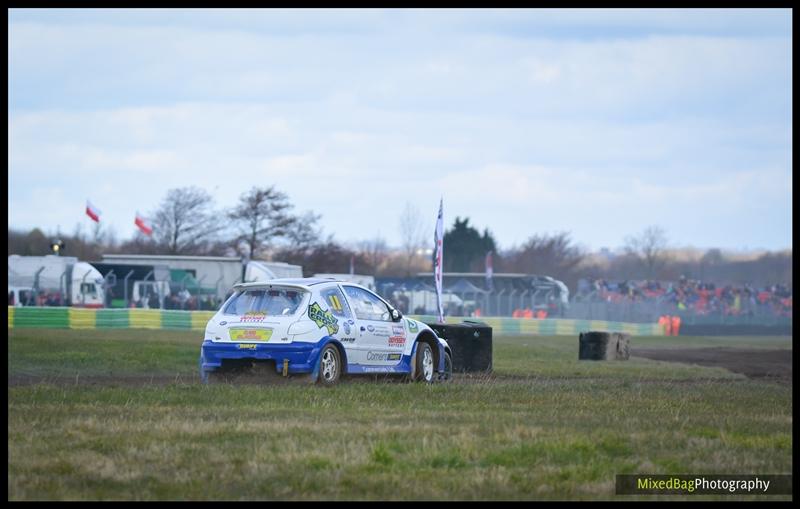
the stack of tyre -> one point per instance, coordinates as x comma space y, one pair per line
604, 346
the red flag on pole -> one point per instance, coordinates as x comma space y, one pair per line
142, 224
92, 212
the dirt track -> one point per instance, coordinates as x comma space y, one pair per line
771, 364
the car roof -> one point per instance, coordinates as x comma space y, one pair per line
305, 282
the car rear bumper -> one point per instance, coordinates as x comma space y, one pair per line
302, 357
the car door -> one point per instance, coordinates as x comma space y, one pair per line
337, 304
379, 340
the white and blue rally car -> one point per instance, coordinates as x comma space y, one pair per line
322, 327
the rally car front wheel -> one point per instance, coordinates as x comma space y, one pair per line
330, 366
424, 369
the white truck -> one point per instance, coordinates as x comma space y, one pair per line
258, 270
143, 291
61, 279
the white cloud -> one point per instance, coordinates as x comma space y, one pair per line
522, 130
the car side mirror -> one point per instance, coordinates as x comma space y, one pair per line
396, 316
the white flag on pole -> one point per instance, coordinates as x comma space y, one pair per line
437, 262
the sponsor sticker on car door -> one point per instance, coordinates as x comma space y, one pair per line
398, 337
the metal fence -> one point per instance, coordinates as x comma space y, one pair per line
505, 304
500, 303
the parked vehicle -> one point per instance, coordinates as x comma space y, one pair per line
62, 279
19, 296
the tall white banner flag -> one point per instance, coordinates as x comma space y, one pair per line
437, 262
489, 272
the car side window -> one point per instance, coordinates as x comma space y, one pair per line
367, 306
336, 302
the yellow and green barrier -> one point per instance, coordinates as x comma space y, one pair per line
554, 326
80, 318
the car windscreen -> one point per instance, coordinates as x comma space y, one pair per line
271, 302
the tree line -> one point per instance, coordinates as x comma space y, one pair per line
263, 224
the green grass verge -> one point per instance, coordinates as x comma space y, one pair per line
63, 352
551, 428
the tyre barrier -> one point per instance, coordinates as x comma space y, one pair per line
471, 344
604, 346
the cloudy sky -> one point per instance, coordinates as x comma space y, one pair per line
597, 122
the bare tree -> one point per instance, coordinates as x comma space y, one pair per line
140, 244
649, 247
713, 257
323, 256
80, 245
262, 215
412, 231
374, 251
551, 255
99, 234
110, 240
185, 220
77, 233
304, 233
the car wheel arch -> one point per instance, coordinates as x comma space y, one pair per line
430, 339
342, 352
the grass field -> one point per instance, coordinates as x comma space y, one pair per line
546, 426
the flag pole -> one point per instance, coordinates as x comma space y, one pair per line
438, 261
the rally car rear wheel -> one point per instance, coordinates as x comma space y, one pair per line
425, 367
330, 365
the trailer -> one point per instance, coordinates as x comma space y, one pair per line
55, 280
198, 275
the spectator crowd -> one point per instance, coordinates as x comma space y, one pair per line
693, 296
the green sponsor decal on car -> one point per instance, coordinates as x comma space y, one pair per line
323, 318
412, 326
